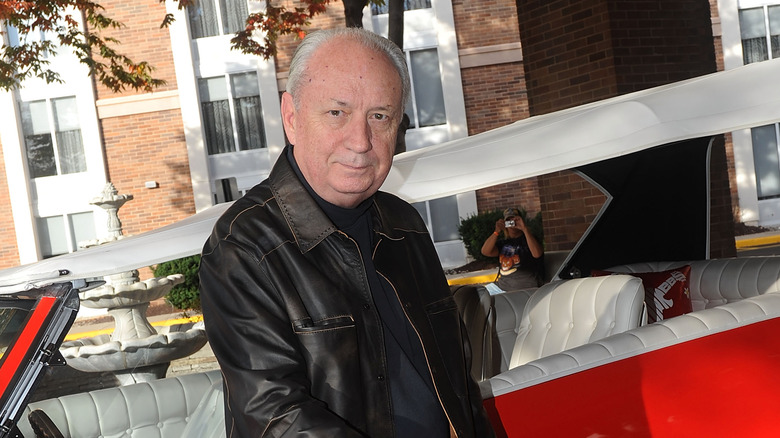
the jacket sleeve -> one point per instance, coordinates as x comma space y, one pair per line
264, 374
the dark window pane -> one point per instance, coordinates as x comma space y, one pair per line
219, 130
203, 18
69, 144
234, 13
766, 160
408, 6
71, 152
753, 33
40, 155
444, 215
251, 132
774, 30
754, 50
249, 113
37, 139
428, 94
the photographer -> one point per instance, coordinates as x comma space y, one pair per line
518, 251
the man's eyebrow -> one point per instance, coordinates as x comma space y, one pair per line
341, 103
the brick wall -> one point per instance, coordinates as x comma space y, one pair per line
480, 24
494, 95
149, 147
141, 40
521, 194
729, 145
657, 42
721, 212
567, 52
9, 252
570, 204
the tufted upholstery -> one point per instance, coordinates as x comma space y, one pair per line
633, 342
720, 281
567, 313
509, 309
156, 409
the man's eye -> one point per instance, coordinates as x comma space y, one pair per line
378, 116
335, 113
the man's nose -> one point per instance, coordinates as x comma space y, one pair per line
358, 135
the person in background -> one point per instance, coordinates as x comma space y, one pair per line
323, 298
518, 252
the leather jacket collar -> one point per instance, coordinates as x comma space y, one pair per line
308, 223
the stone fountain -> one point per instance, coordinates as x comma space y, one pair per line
135, 351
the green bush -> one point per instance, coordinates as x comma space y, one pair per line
186, 295
476, 228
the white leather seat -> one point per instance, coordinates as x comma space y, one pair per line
156, 409
568, 313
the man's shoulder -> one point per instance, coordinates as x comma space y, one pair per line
391, 201
398, 213
256, 208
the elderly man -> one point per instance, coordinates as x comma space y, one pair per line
323, 298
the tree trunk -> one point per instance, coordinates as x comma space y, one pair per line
396, 22
353, 12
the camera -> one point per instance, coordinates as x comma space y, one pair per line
509, 224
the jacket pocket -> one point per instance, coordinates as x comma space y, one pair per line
330, 350
305, 326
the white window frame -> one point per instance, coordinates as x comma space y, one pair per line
218, 14
234, 113
52, 123
767, 33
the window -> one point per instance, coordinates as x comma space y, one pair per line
426, 106
408, 6
62, 234
441, 217
210, 18
232, 114
760, 29
766, 140
52, 137
226, 190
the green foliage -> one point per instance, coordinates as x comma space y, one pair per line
186, 295
476, 228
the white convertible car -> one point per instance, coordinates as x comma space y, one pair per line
637, 334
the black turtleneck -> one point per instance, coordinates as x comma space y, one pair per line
416, 408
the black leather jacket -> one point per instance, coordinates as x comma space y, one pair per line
291, 321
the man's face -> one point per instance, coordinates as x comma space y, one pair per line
344, 129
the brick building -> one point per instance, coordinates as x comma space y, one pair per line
214, 129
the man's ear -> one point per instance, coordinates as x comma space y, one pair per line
288, 116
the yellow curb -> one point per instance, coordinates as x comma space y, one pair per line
168, 322
757, 241
486, 278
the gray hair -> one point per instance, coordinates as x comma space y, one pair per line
313, 41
